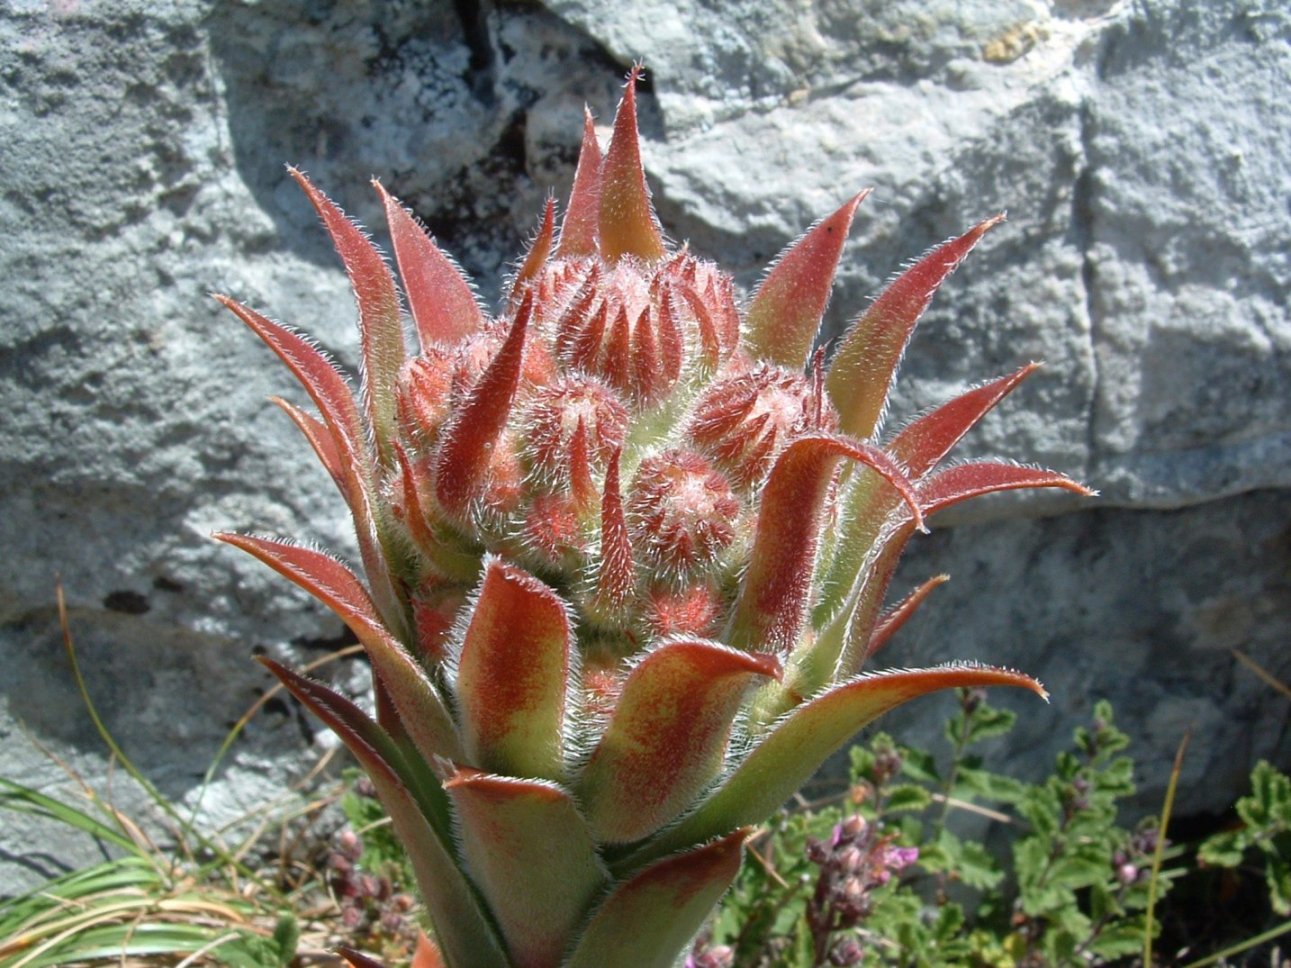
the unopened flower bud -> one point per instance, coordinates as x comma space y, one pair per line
1127, 873
817, 851
852, 828
850, 859
349, 844
743, 422
850, 900
682, 511
721, 956
351, 917
846, 951
552, 424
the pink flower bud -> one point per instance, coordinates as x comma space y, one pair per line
743, 422
845, 952
552, 422
850, 829
695, 610
681, 512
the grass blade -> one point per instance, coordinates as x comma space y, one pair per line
1166, 809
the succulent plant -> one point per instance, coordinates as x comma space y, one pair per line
626, 546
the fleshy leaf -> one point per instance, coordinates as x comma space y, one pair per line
467, 937
852, 629
380, 327
578, 231
974, 478
533, 858
647, 921
513, 674
616, 576
806, 737
444, 560
427, 953
667, 736
319, 437
925, 441
778, 585
841, 645
863, 367
536, 258
422, 711
331, 394
582, 486
316, 373
442, 302
891, 621
868, 502
788, 307
462, 461
627, 223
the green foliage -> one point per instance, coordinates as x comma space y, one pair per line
1265, 830
145, 902
1074, 889
194, 897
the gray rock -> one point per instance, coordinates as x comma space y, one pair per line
1140, 149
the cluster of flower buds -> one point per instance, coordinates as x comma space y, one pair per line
371, 905
855, 860
1129, 861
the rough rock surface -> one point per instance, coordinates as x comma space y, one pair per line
1140, 149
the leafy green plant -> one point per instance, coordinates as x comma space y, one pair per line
626, 548
1264, 832
879, 877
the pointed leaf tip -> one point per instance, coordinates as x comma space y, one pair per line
317, 374
461, 464
440, 297
778, 584
628, 225
788, 307
927, 439
895, 617
862, 370
961, 482
579, 231
539, 250
380, 327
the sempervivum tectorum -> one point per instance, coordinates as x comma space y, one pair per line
626, 545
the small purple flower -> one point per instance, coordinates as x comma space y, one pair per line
896, 859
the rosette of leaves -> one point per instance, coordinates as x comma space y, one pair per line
626, 545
